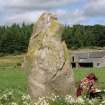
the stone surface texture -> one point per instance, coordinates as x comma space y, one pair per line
47, 61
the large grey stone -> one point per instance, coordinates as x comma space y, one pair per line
47, 62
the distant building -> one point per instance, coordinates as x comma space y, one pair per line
88, 59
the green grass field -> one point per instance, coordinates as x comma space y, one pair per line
11, 74
13, 77
99, 72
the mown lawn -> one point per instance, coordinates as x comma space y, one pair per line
13, 80
11, 74
13, 77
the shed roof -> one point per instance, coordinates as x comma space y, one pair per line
86, 55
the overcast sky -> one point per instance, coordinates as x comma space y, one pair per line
68, 11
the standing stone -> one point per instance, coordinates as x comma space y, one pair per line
47, 61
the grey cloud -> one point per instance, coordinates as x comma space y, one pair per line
15, 7
21, 5
70, 17
95, 8
18, 10
25, 10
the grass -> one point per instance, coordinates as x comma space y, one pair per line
10, 60
99, 72
11, 74
13, 77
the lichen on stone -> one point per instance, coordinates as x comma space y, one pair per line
46, 58
66, 53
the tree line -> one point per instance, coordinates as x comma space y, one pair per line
82, 36
15, 38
